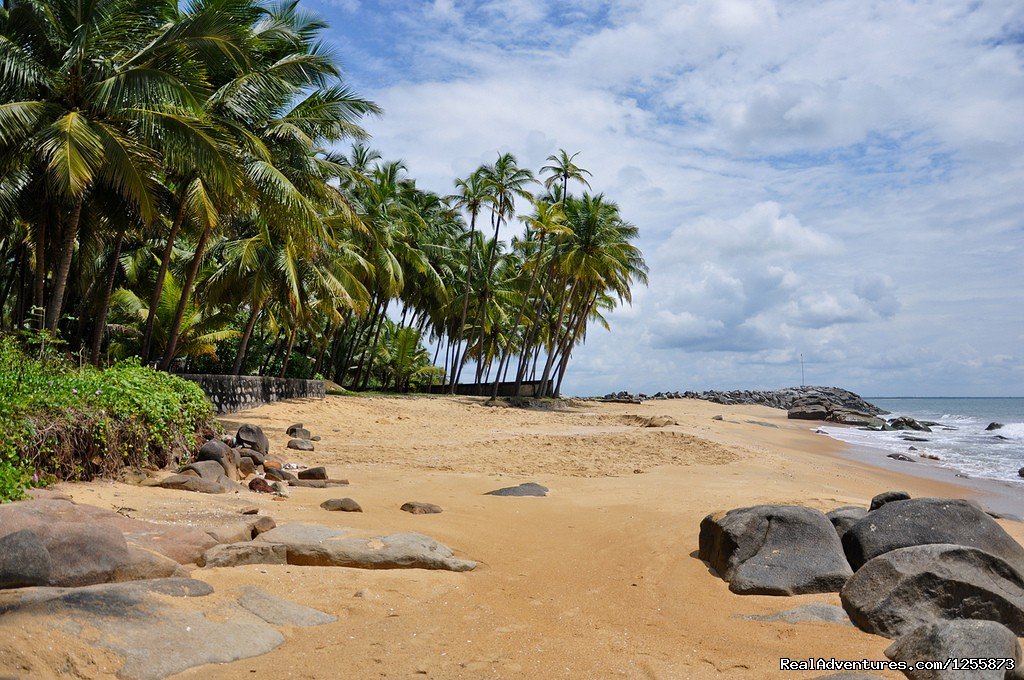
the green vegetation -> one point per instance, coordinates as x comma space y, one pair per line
69, 422
178, 183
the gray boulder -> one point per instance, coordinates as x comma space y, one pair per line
24, 560
252, 437
214, 449
847, 417
905, 588
845, 517
341, 505
298, 432
994, 426
906, 423
887, 497
419, 508
774, 550
256, 457
920, 521
190, 483
959, 640
809, 412
526, 489
397, 551
249, 552
207, 469
300, 444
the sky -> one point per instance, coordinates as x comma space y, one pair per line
837, 179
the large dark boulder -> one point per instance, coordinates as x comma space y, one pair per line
887, 497
905, 588
252, 437
960, 640
847, 417
191, 483
845, 517
920, 521
207, 469
809, 412
774, 550
313, 473
298, 431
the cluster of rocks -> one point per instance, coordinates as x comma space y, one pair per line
220, 464
938, 576
68, 566
782, 399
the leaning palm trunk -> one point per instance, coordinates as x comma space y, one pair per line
460, 329
186, 293
243, 345
60, 280
39, 275
288, 352
101, 317
554, 339
519, 320
161, 275
570, 343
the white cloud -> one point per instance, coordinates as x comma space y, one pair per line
838, 178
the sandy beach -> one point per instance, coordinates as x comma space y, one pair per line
598, 579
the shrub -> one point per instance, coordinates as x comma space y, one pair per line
68, 422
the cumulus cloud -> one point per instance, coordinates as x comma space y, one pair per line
839, 179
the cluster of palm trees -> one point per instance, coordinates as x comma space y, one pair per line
170, 189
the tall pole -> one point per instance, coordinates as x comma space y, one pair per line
801, 369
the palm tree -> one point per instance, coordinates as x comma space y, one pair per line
93, 93
562, 169
474, 194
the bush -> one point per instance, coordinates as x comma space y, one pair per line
65, 422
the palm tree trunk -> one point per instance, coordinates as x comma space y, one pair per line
460, 329
553, 341
571, 343
373, 346
39, 274
267, 360
101, 317
186, 293
243, 346
60, 279
519, 320
288, 352
158, 286
19, 255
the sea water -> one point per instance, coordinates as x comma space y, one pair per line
960, 439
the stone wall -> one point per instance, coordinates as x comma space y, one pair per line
239, 392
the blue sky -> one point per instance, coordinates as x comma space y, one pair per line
839, 178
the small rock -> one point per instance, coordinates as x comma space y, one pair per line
825, 613
297, 430
418, 508
249, 510
901, 457
246, 468
315, 438
994, 426
313, 473
260, 485
341, 505
717, 418
887, 497
527, 489
300, 444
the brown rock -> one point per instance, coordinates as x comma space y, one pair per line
260, 485
238, 554
313, 473
418, 508
341, 505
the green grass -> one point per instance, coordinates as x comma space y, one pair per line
60, 421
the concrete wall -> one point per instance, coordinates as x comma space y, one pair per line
239, 392
529, 388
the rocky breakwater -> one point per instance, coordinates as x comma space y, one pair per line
938, 576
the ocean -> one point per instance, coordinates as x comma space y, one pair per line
960, 441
